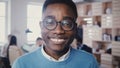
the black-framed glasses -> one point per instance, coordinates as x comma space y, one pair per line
67, 24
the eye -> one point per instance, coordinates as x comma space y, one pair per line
67, 23
49, 22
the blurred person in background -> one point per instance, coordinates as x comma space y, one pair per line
3, 52
39, 43
81, 46
4, 48
13, 51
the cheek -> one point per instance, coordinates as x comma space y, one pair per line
71, 35
43, 29
44, 33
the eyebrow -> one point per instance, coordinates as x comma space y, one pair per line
50, 17
66, 17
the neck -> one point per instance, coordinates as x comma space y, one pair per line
56, 54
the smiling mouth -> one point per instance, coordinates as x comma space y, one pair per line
57, 41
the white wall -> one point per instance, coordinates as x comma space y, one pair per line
18, 19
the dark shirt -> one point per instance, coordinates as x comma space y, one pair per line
85, 48
80, 32
109, 51
117, 38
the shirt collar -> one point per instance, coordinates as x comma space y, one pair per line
62, 58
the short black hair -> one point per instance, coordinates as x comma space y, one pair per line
13, 40
39, 38
70, 3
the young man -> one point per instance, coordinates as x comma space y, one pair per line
58, 31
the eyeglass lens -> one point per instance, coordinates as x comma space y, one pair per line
50, 23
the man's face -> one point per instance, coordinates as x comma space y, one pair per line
57, 39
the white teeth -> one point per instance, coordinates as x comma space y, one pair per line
58, 40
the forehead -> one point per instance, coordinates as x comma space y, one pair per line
58, 10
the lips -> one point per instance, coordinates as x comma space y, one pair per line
57, 40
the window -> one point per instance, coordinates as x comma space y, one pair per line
34, 13
2, 22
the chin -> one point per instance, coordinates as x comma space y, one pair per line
60, 48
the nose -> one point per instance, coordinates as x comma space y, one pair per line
59, 29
